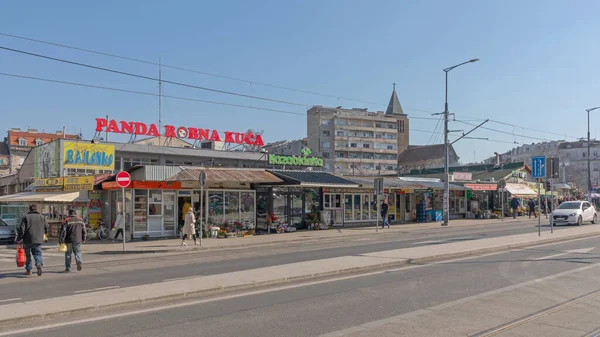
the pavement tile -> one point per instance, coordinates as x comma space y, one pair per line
534, 329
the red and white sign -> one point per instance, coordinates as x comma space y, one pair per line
123, 179
482, 187
137, 128
462, 176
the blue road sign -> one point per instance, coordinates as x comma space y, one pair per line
538, 167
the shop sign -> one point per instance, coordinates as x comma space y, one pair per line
79, 183
151, 185
482, 187
89, 156
347, 190
462, 176
143, 129
303, 160
423, 190
519, 174
48, 182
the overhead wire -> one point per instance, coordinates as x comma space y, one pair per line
503, 132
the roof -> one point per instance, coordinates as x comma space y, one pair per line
388, 182
182, 151
168, 142
313, 178
43, 197
223, 175
423, 152
14, 136
394, 107
520, 190
432, 183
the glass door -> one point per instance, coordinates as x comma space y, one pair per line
169, 213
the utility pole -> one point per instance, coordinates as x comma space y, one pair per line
159, 100
446, 113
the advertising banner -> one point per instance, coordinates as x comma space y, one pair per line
89, 156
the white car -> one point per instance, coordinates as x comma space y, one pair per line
574, 212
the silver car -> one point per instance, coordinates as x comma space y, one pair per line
7, 232
575, 212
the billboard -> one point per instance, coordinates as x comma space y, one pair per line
89, 156
46, 163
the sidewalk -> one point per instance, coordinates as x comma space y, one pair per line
281, 274
174, 245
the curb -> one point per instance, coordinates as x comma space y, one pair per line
7, 322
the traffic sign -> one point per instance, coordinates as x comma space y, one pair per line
123, 179
378, 185
538, 167
553, 168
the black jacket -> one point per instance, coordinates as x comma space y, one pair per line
384, 208
73, 231
32, 229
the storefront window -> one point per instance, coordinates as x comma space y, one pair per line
247, 207
155, 202
140, 216
357, 207
215, 208
225, 208
366, 206
169, 211
348, 207
231, 207
373, 208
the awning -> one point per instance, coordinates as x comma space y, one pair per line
388, 182
520, 190
313, 179
223, 175
482, 187
431, 183
44, 197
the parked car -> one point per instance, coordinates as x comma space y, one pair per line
575, 212
7, 232
10, 219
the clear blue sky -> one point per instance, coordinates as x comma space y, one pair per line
539, 63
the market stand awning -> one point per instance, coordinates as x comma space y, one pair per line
388, 182
312, 179
520, 190
44, 197
223, 175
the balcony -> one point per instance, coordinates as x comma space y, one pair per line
366, 139
367, 161
365, 150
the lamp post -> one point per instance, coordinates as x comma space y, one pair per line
446, 210
589, 170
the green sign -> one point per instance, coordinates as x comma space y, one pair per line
303, 160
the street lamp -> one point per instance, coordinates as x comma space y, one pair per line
588, 154
446, 205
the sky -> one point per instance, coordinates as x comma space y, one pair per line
539, 67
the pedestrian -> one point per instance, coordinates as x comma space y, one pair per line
31, 234
189, 227
531, 206
515, 203
73, 234
384, 214
120, 225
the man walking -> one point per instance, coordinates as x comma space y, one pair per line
73, 234
531, 206
31, 233
515, 203
384, 214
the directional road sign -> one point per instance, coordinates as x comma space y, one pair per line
538, 167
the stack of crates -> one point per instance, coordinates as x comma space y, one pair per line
421, 213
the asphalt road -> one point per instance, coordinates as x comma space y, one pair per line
313, 310
152, 270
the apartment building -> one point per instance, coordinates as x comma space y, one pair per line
357, 141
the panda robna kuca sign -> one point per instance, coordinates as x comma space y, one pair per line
194, 133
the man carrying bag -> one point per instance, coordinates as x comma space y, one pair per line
31, 234
73, 234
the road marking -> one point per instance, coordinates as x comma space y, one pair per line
95, 289
10, 300
299, 285
566, 252
446, 240
180, 278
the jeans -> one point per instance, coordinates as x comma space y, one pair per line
71, 248
36, 250
515, 212
385, 221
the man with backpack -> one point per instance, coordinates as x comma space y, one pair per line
73, 234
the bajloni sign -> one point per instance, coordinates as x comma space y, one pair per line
143, 129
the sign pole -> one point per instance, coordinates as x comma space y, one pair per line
502, 203
552, 205
124, 218
540, 206
201, 212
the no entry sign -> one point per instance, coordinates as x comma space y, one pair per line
123, 179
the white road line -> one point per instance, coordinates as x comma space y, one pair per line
299, 285
180, 278
95, 289
566, 252
10, 300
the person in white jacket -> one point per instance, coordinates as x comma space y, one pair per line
119, 225
189, 227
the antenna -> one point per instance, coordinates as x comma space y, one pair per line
159, 99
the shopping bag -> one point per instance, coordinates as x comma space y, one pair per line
20, 255
62, 248
45, 237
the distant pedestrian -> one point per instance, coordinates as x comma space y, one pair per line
514, 204
120, 226
189, 227
73, 234
531, 206
384, 214
31, 233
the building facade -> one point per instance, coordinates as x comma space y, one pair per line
419, 157
357, 141
287, 147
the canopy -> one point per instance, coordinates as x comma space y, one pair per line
520, 190
43, 197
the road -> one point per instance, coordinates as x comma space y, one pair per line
155, 269
339, 305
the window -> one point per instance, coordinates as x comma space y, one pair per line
326, 122
340, 133
22, 142
401, 126
155, 202
353, 145
393, 126
378, 125
1, 161
390, 147
39, 142
366, 146
326, 133
326, 155
325, 145
341, 144
341, 122
583, 154
352, 155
